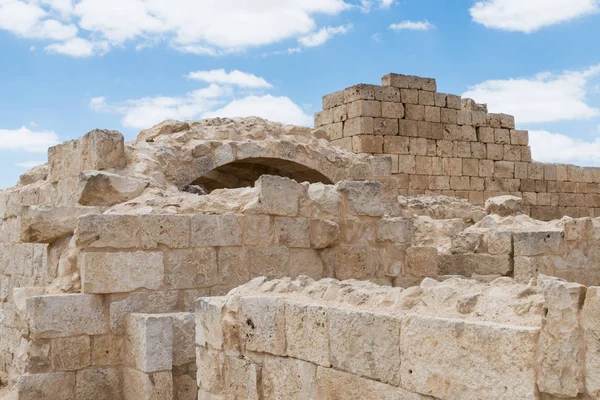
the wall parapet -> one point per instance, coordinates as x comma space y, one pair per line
442, 144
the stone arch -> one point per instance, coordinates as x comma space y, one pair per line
231, 164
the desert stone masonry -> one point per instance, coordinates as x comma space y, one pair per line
442, 144
244, 259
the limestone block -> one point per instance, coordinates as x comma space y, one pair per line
99, 384
307, 332
480, 264
306, 262
364, 108
271, 262
359, 126
102, 188
414, 112
121, 271
504, 205
110, 230
184, 338
286, 378
242, 378
51, 386
216, 230
408, 128
499, 242
385, 126
560, 354
323, 233
333, 100
193, 268
398, 230
65, 315
392, 110
358, 348
356, 261
421, 261
172, 231
360, 92
458, 353
71, 353
149, 342
332, 384
141, 302
334, 131
518, 137
591, 327
578, 229
363, 198
185, 388
232, 266
44, 224
537, 243
526, 268
262, 324
258, 230
276, 196
209, 329
141, 386
107, 350
292, 232
210, 364
426, 98
367, 144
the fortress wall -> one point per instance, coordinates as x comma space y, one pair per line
300, 339
442, 144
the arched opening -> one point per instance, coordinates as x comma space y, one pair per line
243, 173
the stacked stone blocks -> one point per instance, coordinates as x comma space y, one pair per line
442, 144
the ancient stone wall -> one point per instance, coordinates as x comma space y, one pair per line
300, 339
442, 144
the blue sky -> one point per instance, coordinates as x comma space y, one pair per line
69, 66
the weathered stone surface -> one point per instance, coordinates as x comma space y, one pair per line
216, 230
262, 324
358, 348
560, 351
504, 205
141, 386
450, 359
591, 327
66, 315
183, 338
307, 332
149, 342
191, 268
71, 353
99, 384
45, 224
107, 350
332, 384
276, 196
287, 378
121, 271
142, 302
101, 188
51, 386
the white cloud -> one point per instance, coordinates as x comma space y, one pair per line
236, 98
27, 140
77, 47
366, 5
29, 164
556, 147
280, 109
323, 35
235, 77
413, 25
529, 15
209, 27
545, 97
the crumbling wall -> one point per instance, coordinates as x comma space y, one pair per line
300, 339
442, 144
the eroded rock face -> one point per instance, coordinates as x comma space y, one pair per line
504, 205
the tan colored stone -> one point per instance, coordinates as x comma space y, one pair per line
71, 353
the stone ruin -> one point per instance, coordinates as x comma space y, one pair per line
233, 259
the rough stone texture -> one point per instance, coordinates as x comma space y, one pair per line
591, 326
149, 343
377, 192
